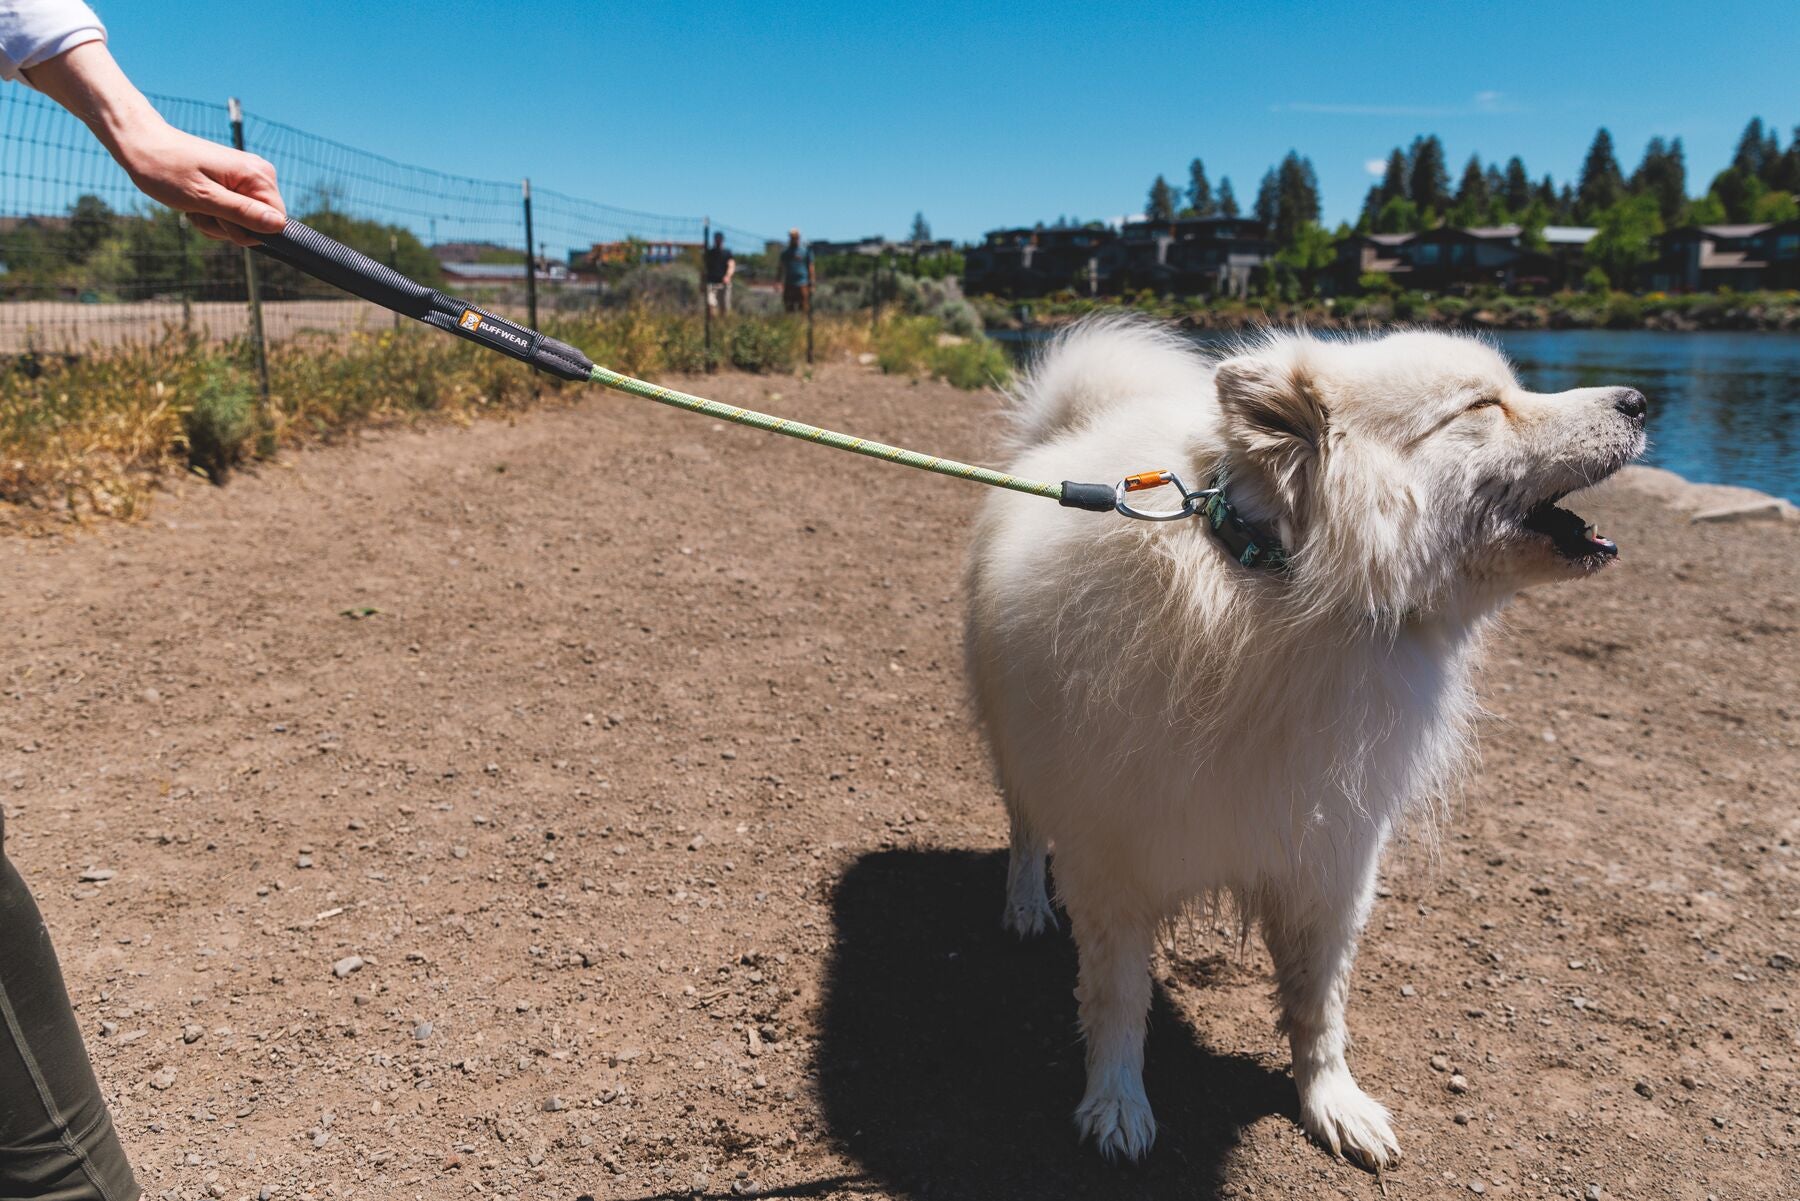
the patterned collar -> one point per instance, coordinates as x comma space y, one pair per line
1249, 544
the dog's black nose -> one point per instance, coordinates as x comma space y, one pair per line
1631, 402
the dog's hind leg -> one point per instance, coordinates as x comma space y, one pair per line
1028, 910
1312, 936
1114, 938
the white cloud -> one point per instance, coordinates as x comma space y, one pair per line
1481, 104
1375, 166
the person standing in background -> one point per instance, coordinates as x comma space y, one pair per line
720, 267
796, 275
56, 1135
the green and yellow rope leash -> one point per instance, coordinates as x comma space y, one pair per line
324, 258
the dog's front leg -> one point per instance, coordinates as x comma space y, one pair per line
1312, 933
1114, 942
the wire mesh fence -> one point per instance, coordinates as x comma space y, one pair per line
86, 260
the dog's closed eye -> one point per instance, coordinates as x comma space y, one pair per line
1486, 402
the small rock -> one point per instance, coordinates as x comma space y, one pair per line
1407, 990
698, 841
151, 695
107, 1029
192, 1034
1767, 509
346, 965
163, 1079
459, 852
1464, 1117
321, 1138
1593, 1192
97, 875
1688, 1081
1643, 1089
303, 861
555, 1105
421, 1032
1459, 1083
1440, 1063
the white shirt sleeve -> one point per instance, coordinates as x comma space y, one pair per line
36, 31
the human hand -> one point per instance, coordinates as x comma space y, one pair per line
227, 194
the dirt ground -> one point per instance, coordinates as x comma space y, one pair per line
589, 806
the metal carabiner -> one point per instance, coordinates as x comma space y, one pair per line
1145, 480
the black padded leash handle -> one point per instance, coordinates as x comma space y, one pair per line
306, 249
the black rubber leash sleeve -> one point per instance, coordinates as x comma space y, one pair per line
306, 249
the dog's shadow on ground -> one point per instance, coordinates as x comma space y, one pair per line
949, 1061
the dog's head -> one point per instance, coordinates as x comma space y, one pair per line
1411, 472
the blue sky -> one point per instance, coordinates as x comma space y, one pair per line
845, 119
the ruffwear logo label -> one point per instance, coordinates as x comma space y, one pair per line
470, 320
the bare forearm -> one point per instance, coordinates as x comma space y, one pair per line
88, 83
226, 193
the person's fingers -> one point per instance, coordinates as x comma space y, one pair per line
246, 212
208, 227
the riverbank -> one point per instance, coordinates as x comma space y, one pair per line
629, 758
1766, 311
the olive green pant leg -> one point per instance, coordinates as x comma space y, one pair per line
57, 1141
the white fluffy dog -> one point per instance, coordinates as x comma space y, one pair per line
1177, 727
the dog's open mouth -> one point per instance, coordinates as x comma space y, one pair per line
1571, 534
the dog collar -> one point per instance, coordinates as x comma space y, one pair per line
1248, 543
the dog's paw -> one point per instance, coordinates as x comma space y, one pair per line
1028, 916
1119, 1122
1349, 1121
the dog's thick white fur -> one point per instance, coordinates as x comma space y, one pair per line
1177, 728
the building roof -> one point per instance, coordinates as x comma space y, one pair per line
1569, 235
1494, 231
1391, 239
1733, 231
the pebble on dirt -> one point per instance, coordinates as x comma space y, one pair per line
346, 965
1459, 1083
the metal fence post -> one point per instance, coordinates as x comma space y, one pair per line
875, 292
530, 267
185, 243
706, 286
394, 265
236, 111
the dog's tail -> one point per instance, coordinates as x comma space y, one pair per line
1097, 363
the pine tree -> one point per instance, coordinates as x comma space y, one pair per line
1162, 201
1268, 200
1546, 193
921, 229
1296, 198
1517, 192
1472, 195
1751, 156
1601, 184
1662, 174
1199, 191
1396, 180
1228, 205
1428, 175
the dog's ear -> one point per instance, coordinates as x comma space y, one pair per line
1274, 420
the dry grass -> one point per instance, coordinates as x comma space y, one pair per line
90, 436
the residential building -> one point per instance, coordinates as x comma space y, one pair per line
1779, 247
1705, 258
1370, 254
1036, 262
1213, 256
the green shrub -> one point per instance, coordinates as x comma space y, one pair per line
220, 417
976, 363
761, 346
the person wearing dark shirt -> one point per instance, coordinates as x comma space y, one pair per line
720, 267
796, 275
